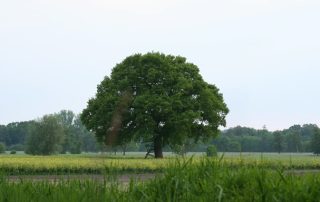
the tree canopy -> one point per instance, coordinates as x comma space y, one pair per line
155, 97
315, 143
46, 136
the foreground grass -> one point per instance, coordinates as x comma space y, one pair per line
183, 180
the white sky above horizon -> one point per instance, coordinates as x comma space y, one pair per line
263, 55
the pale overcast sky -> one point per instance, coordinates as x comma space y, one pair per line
264, 55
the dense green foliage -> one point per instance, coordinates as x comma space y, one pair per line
207, 180
315, 143
2, 148
184, 148
294, 139
15, 133
231, 140
46, 136
278, 141
211, 151
76, 137
155, 98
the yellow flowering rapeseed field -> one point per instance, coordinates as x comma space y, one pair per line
100, 164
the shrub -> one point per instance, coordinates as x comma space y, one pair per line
179, 150
212, 151
16, 147
13, 152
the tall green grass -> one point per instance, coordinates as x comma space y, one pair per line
183, 180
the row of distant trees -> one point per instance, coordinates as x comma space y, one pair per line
63, 132
59, 133
297, 138
55, 133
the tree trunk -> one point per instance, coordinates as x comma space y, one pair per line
158, 147
124, 149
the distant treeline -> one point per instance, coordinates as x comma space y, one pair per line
297, 138
76, 139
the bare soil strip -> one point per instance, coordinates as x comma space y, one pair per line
125, 178
303, 172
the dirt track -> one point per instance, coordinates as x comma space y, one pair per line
124, 178
302, 172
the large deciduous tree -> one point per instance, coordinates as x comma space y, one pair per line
158, 98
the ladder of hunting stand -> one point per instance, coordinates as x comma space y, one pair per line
150, 149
